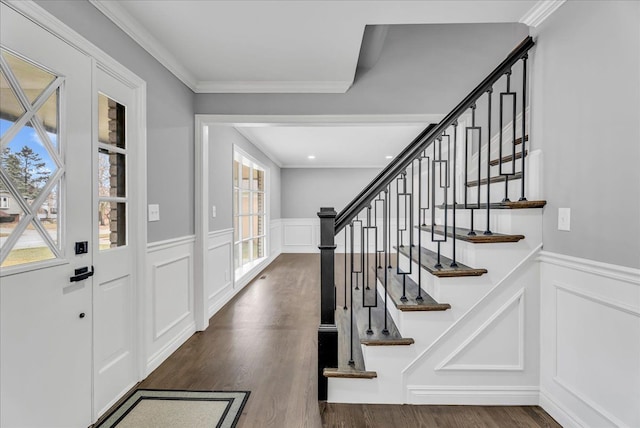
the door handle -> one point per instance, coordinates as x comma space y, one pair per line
82, 274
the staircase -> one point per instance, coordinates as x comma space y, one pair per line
432, 297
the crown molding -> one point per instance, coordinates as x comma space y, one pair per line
259, 145
119, 16
540, 11
273, 87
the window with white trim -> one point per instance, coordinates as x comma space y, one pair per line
249, 212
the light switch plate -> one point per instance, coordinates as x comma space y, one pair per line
564, 219
154, 212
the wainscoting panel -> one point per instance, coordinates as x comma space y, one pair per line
300, 235
169, 304
590, 342
220, 262
275, 239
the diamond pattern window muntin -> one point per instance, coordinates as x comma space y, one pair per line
34, 234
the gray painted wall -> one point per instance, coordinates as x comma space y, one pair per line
305, 190
410, 77
170, 118
586, 117
221, 141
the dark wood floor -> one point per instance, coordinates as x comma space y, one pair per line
265, 341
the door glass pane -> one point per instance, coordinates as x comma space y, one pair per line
238, 249
112, 224
29, 160
111, 174
33, 80
48, 115
236, 232
28, 163
10, 108
10, 214
111, 122
48, 214
31, 247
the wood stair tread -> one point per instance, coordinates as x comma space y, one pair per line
394, 290
519, 140
508, 158
361, 317
344, 370
462, 234
429, 260
509, 205
495, 179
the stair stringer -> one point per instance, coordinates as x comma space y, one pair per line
433, 377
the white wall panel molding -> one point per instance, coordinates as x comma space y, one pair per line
605, 270
590, 323
481, 335
169, 303
275, 237
300, 235
170, 243
219, 257
474, 308
154, 361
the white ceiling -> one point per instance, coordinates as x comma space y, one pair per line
284, 46
303, 46
368, 144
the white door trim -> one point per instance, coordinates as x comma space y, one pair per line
137, 216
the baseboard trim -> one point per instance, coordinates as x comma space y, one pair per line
563, 416
474, 395
249, 276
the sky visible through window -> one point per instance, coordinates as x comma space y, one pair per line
28, 136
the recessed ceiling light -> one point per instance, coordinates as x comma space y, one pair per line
389, 157
311, 157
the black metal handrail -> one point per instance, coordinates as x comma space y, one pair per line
426, 138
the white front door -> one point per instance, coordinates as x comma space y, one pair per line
46, 182
114, 355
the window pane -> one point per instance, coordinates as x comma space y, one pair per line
244, 204
31, 247
111, 122
111, 174
246, 228
258, 223
10, 108
33, 80
258, 203
246, 252
10, 214
246, 171
260, 180
258, 248
112, 219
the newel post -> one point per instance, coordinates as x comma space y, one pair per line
327, 332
